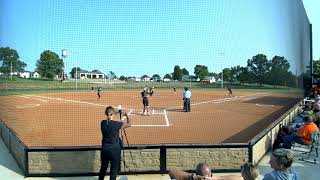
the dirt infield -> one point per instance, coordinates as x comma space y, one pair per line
73, 118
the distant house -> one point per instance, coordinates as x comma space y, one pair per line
15, 73
166, 80
35, 74
145, 78
137, 79
210, 79
189, 78
26, 74
83, 74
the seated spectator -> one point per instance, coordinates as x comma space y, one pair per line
281, 161
317, 120
303, 134
308, 110
203, 171
249, 171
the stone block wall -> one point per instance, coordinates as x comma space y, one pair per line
217, 158
73, 162
261, 147
14, 144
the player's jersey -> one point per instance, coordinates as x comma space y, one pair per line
143, 94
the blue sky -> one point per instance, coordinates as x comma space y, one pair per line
131, 37
312, 8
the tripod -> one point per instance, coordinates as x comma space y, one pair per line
124, 134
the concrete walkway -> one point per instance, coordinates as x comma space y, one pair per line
9, 170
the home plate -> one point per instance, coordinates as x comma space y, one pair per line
265, 105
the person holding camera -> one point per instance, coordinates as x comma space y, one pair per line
111, 148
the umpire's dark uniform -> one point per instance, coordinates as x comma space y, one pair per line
186, 100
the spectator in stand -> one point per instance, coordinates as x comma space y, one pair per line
317, 120
308, 110
281, 161
302, 135
249, 171
203, 171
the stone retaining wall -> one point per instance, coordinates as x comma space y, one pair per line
88, 161
262, 146
14, 144
217, 158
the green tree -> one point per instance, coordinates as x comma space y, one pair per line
215, 75
177, 73
279, 72
112, 75
185, 71
259, 67
73, 71
243, 75
227, 75
316, 67
201, 71
49, 64
167, 76
156, 76
9, 58
122, 78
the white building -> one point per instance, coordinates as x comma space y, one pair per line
26, 74
137, 79
210, 79
189, 78
145, 78
83, 74
36, 75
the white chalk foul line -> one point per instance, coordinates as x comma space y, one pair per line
27, 97
219, 100
267, 105
69, 100
28, 106
166, 117
83, 102
129, 114
150, 125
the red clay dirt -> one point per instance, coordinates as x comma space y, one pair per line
73, 118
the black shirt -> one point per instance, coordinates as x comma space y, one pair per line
143, 94
110, 133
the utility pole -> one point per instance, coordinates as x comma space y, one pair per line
222, 55
64, 55
11, 70
76, 77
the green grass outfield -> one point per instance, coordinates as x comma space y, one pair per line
32, 86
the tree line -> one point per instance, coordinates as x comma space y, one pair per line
258, 70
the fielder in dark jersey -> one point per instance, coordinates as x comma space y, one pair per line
145, 102
229, 89
99, 92
151, 91
111, 149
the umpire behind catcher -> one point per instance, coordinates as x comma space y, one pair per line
186, 100
111, 148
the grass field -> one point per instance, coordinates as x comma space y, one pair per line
30, 86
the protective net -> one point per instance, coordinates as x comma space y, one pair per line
63, 62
